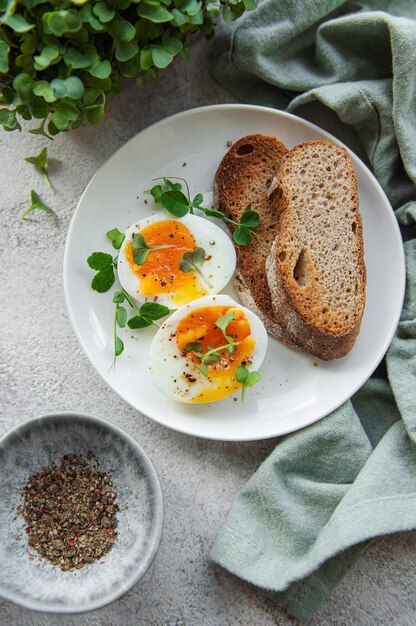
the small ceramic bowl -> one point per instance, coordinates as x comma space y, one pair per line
33, 582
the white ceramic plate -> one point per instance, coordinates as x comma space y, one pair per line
295, 389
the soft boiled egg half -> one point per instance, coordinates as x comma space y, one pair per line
160, 277
181, 345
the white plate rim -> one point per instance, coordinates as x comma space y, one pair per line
310, 126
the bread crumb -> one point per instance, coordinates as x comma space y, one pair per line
229, 143
315, 364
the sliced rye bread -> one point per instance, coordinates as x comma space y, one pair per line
315, 270
242, 181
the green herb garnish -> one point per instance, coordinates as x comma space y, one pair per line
116, 237
120, 319
192, 261
246, 378
40, 161
222, 324
141, 250
36, 203
175, 201
147, 314
213, 354
103, 264
144, 316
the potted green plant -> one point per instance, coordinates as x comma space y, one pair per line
61, 60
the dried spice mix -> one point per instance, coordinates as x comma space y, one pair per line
70, 512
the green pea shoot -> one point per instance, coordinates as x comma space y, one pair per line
171, 197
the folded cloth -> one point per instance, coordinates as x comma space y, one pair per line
304, 517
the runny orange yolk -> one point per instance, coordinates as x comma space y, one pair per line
199, 326
160, 273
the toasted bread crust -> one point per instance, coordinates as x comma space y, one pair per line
242, 181
315, 270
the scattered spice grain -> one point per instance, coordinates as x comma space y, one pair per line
70, 511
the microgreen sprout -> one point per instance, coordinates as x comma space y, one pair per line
40, 161
192, 261
246, 379
175, 201
103, 264
141, 250
144, 316
120, 319
116, 237
36, 203
213, 354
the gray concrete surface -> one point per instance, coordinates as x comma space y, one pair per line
42, 369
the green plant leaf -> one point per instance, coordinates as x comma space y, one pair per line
179, 19
4, 57
121, 316
157, 14
71, 87
62, 21
103, 280
63, 115
146, 59
121, 29
203, 369
211, 359
28, 45
138, 322
118, 346
192, 260
172, 45
23, 84
18, 23
242, 236
100, 69
241, 374
214, 213
100, 260
47, 57
199, 198
103, 12
175, 202
223, 322
118, 297
196, 346
253, 378
140, 249
190, 7
40, 161
36, 203
87, 15
78, 60
116, 237
8, 120
161, 58
153, 310
44, 90
250, 219
96, 114
250, 5
126, 50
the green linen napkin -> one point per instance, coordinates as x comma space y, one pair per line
304, 517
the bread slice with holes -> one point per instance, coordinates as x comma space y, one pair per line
315, 270
242, 181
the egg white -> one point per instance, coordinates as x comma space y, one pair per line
167, 365
219, 268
